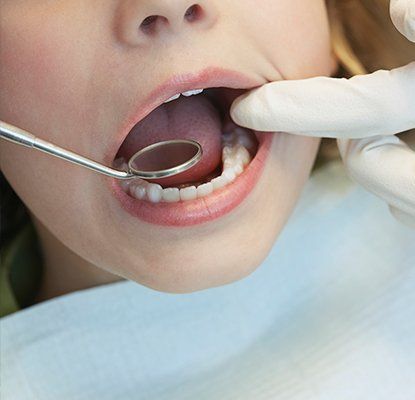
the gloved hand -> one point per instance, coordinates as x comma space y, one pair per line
363, 113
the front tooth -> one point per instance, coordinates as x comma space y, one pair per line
204, 190
176, 96
171, 195
192, 92
154, 192
188, 193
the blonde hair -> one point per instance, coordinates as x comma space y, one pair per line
364, 40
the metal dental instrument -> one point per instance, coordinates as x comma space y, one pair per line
159, 160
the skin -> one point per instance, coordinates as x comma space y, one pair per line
70, 71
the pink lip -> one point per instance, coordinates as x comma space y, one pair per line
220, 202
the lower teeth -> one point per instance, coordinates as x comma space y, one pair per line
235, 158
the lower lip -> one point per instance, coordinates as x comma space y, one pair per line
202, 210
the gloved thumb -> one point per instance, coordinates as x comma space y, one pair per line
256, 109
381, 103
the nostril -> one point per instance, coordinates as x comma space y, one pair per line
148, 25
193, 13
152, 23
149, 20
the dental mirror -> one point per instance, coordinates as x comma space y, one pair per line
163, 159
159, 160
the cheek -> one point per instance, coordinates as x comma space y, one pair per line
35, 80
31, 68
296, 37
45, 66
30, 64
44, 90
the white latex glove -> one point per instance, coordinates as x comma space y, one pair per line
363, 113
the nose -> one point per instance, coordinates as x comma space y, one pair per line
147, 20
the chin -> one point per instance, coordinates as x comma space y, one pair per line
230, 246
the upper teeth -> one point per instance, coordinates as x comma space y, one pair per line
186, 94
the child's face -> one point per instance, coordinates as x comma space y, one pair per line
74, 71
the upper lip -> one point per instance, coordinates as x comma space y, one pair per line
207, 78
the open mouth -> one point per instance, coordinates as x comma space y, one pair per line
232, 161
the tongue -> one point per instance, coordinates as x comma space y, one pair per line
186, 118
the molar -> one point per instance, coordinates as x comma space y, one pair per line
242, 154
238, 169
229, 175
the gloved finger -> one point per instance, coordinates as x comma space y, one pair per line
403, 17
381, 103
385, 166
